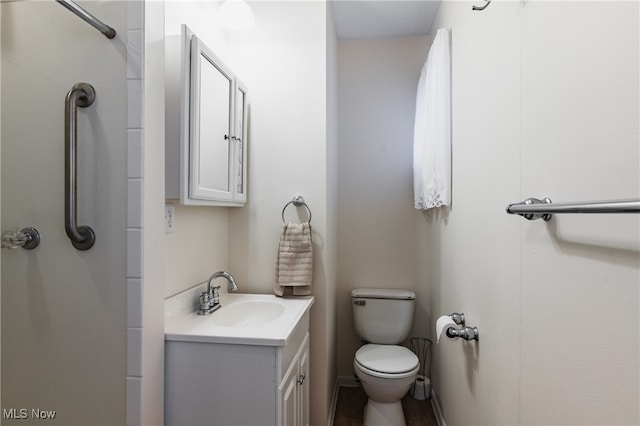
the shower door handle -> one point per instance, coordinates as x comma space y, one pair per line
81, 95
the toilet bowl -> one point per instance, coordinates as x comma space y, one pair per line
386, 373
386, 370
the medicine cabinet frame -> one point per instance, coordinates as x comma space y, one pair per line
206, 166
241, 99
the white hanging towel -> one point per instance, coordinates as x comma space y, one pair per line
294, 265
432, 131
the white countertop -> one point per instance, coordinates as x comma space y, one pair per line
182, 323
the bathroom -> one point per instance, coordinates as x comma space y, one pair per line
545, 104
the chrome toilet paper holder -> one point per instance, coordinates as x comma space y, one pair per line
467, 333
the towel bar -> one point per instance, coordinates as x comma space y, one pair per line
533, 208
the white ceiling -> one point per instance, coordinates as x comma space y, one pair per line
383, 18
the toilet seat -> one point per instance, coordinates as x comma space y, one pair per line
387, 361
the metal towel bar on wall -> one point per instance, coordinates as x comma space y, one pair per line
533, 208
80, 95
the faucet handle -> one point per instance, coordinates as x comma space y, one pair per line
205, 302
216, 295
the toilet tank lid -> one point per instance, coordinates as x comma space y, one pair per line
383, 293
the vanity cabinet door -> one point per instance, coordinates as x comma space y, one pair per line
303, 386
293, 392
289, 399
211, 147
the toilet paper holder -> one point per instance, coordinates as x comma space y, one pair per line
467, 333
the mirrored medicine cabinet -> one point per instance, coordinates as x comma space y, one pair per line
205, 126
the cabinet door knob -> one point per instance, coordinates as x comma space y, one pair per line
301, 379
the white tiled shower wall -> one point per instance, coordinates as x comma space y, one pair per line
135, 180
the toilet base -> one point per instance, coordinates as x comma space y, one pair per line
383, 414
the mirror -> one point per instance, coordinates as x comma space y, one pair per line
212, 89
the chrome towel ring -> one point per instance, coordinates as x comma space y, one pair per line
297, 201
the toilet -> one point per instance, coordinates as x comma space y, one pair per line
383, 319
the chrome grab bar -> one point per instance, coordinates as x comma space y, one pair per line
533, 208
89, 18
80, 95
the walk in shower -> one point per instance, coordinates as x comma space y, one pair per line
63, 308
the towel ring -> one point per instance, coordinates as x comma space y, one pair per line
297, 201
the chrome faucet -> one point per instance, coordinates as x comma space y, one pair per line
210, 299
232, 283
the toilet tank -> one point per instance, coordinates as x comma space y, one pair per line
383, 316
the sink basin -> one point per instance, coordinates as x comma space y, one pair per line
247, 314
244, 319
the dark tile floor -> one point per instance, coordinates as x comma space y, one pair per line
351, 402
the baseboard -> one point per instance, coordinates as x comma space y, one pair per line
334, 402
343, 381
348, 381
437, 411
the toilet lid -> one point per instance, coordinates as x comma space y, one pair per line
391, 359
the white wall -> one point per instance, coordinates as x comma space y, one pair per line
283, 62
331, 259
545, 103
379, 245
145, 386
0, 202
199, 246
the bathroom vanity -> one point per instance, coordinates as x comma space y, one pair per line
245, 364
